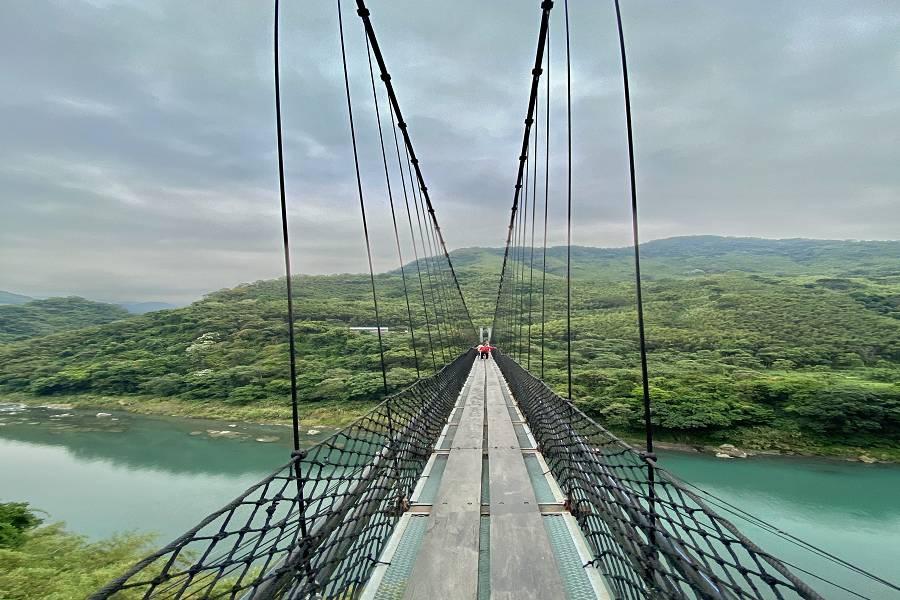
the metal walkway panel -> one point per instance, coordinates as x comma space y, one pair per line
447, 562
523, 565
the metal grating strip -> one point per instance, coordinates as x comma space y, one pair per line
484, 559
575, 580
393, 585
429, 490
522, 436
542, 491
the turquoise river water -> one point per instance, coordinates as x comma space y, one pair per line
124, 472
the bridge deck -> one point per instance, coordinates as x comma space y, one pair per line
448, 559
522, 562
486, 521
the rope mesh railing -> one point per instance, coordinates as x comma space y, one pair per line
650, 538
355, 486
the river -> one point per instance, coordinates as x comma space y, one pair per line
126, 472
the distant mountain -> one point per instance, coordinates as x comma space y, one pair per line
43, 317
707, 254
10, 298
139, 308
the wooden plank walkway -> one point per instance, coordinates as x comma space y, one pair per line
522, 561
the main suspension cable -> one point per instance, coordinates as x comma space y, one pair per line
365, 14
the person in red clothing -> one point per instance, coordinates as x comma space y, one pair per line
485, 350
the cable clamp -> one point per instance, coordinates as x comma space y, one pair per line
402, 125
385, 77
537, 71
363, 12
529, 121
647, 456
298, 454
547, 4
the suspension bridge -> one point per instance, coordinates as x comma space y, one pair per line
478, 480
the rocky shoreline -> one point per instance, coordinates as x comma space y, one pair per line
730, 451
725, 451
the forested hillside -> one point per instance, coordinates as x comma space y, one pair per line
791, 344
42, 317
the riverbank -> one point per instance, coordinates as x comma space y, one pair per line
752, 441
321, 414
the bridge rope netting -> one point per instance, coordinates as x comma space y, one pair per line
651, 534
346, 492
316, 527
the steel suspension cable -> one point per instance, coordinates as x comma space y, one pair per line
511, 295
413, 238
365, 14
387, 179
425, 252
546, 204
546, 7
292, 348
295, 417
568, 205
437, 282
571, 400
362, 204
639, 301
522, 238
768, 527
519, 305
649, 456
450, 326
517, 287
533, 214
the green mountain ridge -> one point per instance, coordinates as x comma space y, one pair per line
786, 344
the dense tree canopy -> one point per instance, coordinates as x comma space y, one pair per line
42, 317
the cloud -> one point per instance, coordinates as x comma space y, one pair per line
138, 155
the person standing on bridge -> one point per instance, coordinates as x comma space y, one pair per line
485, 350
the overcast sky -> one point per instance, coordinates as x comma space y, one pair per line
137, 145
